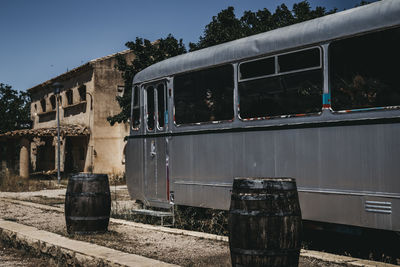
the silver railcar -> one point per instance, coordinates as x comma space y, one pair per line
318, 101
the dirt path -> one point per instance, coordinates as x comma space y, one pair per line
167, 247
177, 249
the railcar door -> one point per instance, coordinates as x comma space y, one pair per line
155, 172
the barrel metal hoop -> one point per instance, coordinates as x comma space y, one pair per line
88, 179
263, 196
88, 232
264, 213
87, 194
260, 184
266, 252
77, 218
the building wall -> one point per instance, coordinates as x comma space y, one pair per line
104, 148
108, 140
75, 113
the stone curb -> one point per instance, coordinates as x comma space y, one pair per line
68, 251
311, 254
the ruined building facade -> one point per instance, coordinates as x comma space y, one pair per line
88, 142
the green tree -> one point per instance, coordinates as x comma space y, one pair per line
146, 54
223, 28
226, 27
14, 109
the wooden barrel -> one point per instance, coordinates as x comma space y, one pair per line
87, 203
265, 222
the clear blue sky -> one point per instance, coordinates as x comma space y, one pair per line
41, 39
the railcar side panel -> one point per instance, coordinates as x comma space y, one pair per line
339, 170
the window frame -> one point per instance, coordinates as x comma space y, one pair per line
277, 74
234, 83
156, 104
143, 87
329, 73
146, 108
138, 86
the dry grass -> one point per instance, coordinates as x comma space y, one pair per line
15, 183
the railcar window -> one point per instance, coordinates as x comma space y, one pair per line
256, 68
205, 95
296, 93
161, 105
136, 109
299, 60
150, 108
364, 71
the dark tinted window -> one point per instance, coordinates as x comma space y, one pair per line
161, 105
296, 93
150, 108
299, 60
136, 96
203, 96
262, 67
136, 108
364, 71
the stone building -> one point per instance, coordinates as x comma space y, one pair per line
88, 142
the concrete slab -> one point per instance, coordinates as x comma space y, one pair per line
68, 250
341, 260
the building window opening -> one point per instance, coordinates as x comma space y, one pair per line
70, 97
53, 102
120, 90
43, 105
82, 92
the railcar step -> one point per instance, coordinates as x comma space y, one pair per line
155, 213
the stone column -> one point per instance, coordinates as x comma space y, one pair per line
62, 152
24, 158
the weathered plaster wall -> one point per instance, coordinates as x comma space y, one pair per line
76, 113
108, 140
104, 147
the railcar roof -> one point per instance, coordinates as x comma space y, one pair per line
385, 13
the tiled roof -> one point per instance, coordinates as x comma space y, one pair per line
65, 130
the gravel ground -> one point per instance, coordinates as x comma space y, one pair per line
171, 248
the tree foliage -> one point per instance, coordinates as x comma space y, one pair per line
14, 109
224, 27
146, 54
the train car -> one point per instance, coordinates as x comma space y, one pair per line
318, 101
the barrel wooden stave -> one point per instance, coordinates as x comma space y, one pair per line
264, 222
87, 203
